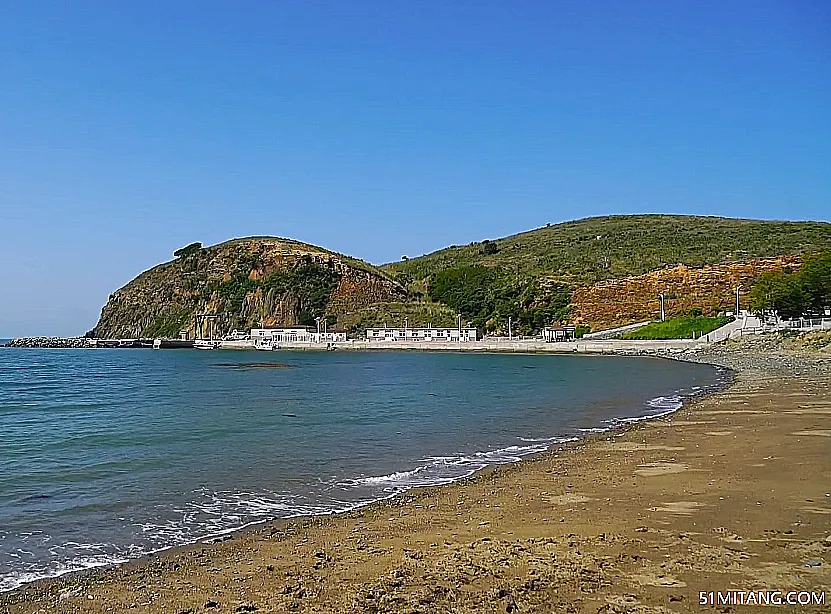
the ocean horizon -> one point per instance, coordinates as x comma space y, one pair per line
109, 455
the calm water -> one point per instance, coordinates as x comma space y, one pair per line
106, 455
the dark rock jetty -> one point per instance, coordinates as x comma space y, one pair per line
49, 342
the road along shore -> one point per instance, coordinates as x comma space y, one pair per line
729, 493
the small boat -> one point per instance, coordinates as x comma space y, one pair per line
204, 345
266, 345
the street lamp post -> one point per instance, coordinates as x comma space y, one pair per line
510, 332
663, 313
738, 305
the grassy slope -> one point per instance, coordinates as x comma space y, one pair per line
593, 249
678, 328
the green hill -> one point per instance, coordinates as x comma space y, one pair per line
593, 249
530, 276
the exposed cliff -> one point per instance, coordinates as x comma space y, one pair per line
244, 282
708, 290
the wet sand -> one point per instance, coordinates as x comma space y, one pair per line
732, 492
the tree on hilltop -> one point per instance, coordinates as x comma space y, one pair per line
188, 250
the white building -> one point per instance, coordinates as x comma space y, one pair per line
422, 333
296, 334
558, 332
331, 336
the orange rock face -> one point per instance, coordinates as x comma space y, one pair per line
710, 289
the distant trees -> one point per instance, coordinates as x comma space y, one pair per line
793, 294
188, 250
779, 293
489, 247
816, 282
487, 296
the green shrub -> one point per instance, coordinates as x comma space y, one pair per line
582, 330
489, 247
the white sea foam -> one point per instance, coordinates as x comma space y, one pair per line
38, 570
659, 406
546, 439
439, 470
392, 478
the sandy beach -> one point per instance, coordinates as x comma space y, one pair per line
732, 492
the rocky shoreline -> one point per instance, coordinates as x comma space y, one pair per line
786, 355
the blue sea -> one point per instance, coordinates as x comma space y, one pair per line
108, 455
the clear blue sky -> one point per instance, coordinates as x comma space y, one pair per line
377, 129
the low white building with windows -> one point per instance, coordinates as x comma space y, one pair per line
295, 334
335, 335
423, 333
288, 334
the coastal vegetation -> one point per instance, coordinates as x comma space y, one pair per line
792, 294
678, 328
488, 297
168, 324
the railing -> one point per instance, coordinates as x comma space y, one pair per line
800, 324
807, 323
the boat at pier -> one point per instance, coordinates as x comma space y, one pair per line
266, 345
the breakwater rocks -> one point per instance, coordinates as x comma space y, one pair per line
50, 342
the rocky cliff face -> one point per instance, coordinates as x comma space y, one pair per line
709, 289
244, 283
